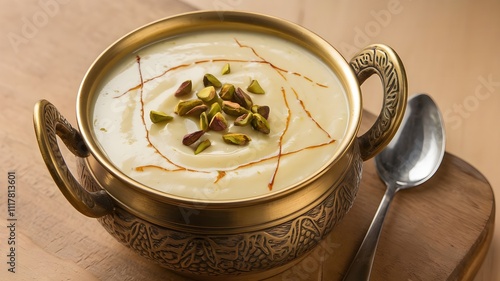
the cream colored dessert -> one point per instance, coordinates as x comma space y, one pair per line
308, 116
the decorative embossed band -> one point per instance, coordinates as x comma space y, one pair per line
383, 61
232, 254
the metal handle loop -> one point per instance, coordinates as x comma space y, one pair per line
49, 124
383, 61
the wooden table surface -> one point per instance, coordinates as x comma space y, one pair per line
48, 45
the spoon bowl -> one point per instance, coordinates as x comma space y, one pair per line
416, 151
411, 158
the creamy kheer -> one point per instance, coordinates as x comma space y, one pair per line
308, 116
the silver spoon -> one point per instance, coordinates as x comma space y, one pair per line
411, 158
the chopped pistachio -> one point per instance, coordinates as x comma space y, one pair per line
243, 98
203, 121
233, 109
244, 119
184, 106
202, 146
227, 92
213, 106
207, 94
210, 80
255, 88
236, 139
263, 110
184, 89
197, 110
218, 122
226, 69
260, 124
191, 138
158, 116
214, 109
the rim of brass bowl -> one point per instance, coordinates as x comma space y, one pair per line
138, 198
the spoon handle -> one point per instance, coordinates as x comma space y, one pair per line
361, 266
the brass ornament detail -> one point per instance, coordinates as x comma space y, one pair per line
231, 254
383, 61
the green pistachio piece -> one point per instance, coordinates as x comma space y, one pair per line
191, 138
214, 109
226, 69
244, 119
263, 110
202, 146
210, 80
184, 89
158, 116
197, 110
203, 121
233, 109
259, 123
184, 106
207, 94
227, 92
218, 122
255, 88
242, 98
236, 139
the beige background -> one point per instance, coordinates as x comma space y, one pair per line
449, 48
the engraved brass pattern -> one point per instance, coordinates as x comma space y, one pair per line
231, 254
383, 61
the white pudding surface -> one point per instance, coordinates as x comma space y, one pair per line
308, 117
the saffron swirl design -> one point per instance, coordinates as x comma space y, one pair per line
287, 89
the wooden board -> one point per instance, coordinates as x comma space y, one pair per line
439, 231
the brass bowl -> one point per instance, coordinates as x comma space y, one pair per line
256, 237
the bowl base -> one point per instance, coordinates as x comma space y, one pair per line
262, 275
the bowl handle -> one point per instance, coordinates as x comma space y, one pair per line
383, 61
49, 124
